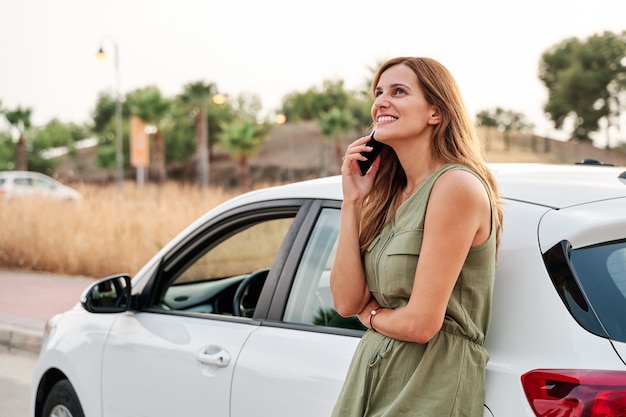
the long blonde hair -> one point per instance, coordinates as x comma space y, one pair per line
455, 140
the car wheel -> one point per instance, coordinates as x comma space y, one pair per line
62, 401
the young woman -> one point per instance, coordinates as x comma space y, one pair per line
416, 253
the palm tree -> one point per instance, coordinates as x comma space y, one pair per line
150, 106
20, 120
201, 103
193, 101
242, 140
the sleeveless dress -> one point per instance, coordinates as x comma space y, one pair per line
446, 376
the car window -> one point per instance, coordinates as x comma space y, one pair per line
616, 266
310, 301
601, 271
42, 184
24, 182
591, 282
249, 250
224, 273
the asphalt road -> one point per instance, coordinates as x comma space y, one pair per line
16, 372
27, 300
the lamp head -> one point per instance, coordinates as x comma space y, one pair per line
219, 98
280, 119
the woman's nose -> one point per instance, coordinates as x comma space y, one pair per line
381, 101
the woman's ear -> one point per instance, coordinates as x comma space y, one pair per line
434, 118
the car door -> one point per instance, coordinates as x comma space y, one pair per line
295, 363
177, 354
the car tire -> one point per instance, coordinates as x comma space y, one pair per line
62, 401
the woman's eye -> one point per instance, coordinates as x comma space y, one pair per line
398, 91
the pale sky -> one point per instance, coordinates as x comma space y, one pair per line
274, 47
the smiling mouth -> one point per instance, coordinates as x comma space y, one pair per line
383, 119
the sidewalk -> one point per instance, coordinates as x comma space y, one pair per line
28, 300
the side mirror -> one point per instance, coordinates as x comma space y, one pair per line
108, 295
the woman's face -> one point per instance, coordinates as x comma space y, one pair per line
400, 109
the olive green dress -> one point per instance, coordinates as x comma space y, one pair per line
444, 377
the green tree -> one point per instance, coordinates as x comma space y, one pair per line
19, 119
360, 108
314, 102
244, 135
104, 127
333, 125
585, 81
362, 101
57, 134
104, 112
188, 108
246, 106
336, 110
7, 152
242, 140
196, 116
311, 104
503, 120
150, 106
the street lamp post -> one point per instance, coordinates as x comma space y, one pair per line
280, 119
119, 151
203, 149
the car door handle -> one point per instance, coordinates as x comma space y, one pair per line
213, 355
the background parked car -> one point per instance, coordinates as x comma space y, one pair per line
234, 317
26, 183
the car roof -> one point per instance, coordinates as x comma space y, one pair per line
551, 185
32, 174
559, 186
554, 186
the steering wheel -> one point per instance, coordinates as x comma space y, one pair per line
255, 279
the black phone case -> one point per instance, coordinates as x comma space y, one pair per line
371, 156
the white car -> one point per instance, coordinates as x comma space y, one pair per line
234, 317
28, 183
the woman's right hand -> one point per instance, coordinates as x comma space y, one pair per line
347, 278
356, 186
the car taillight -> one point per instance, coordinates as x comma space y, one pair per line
576, 392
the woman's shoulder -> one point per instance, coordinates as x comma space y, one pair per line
460, 181
456, 167
453, 173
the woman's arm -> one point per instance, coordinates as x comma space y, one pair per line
458, 217
347, 278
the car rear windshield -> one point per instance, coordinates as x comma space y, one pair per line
592, 283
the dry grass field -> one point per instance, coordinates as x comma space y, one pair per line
107, 233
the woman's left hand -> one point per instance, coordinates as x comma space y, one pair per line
364, 315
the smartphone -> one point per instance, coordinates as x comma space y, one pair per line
371, 156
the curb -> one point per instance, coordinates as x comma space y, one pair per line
20, 338
28, 300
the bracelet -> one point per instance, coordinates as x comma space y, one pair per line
372, 314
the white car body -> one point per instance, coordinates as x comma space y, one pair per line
15, 184
162, 361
